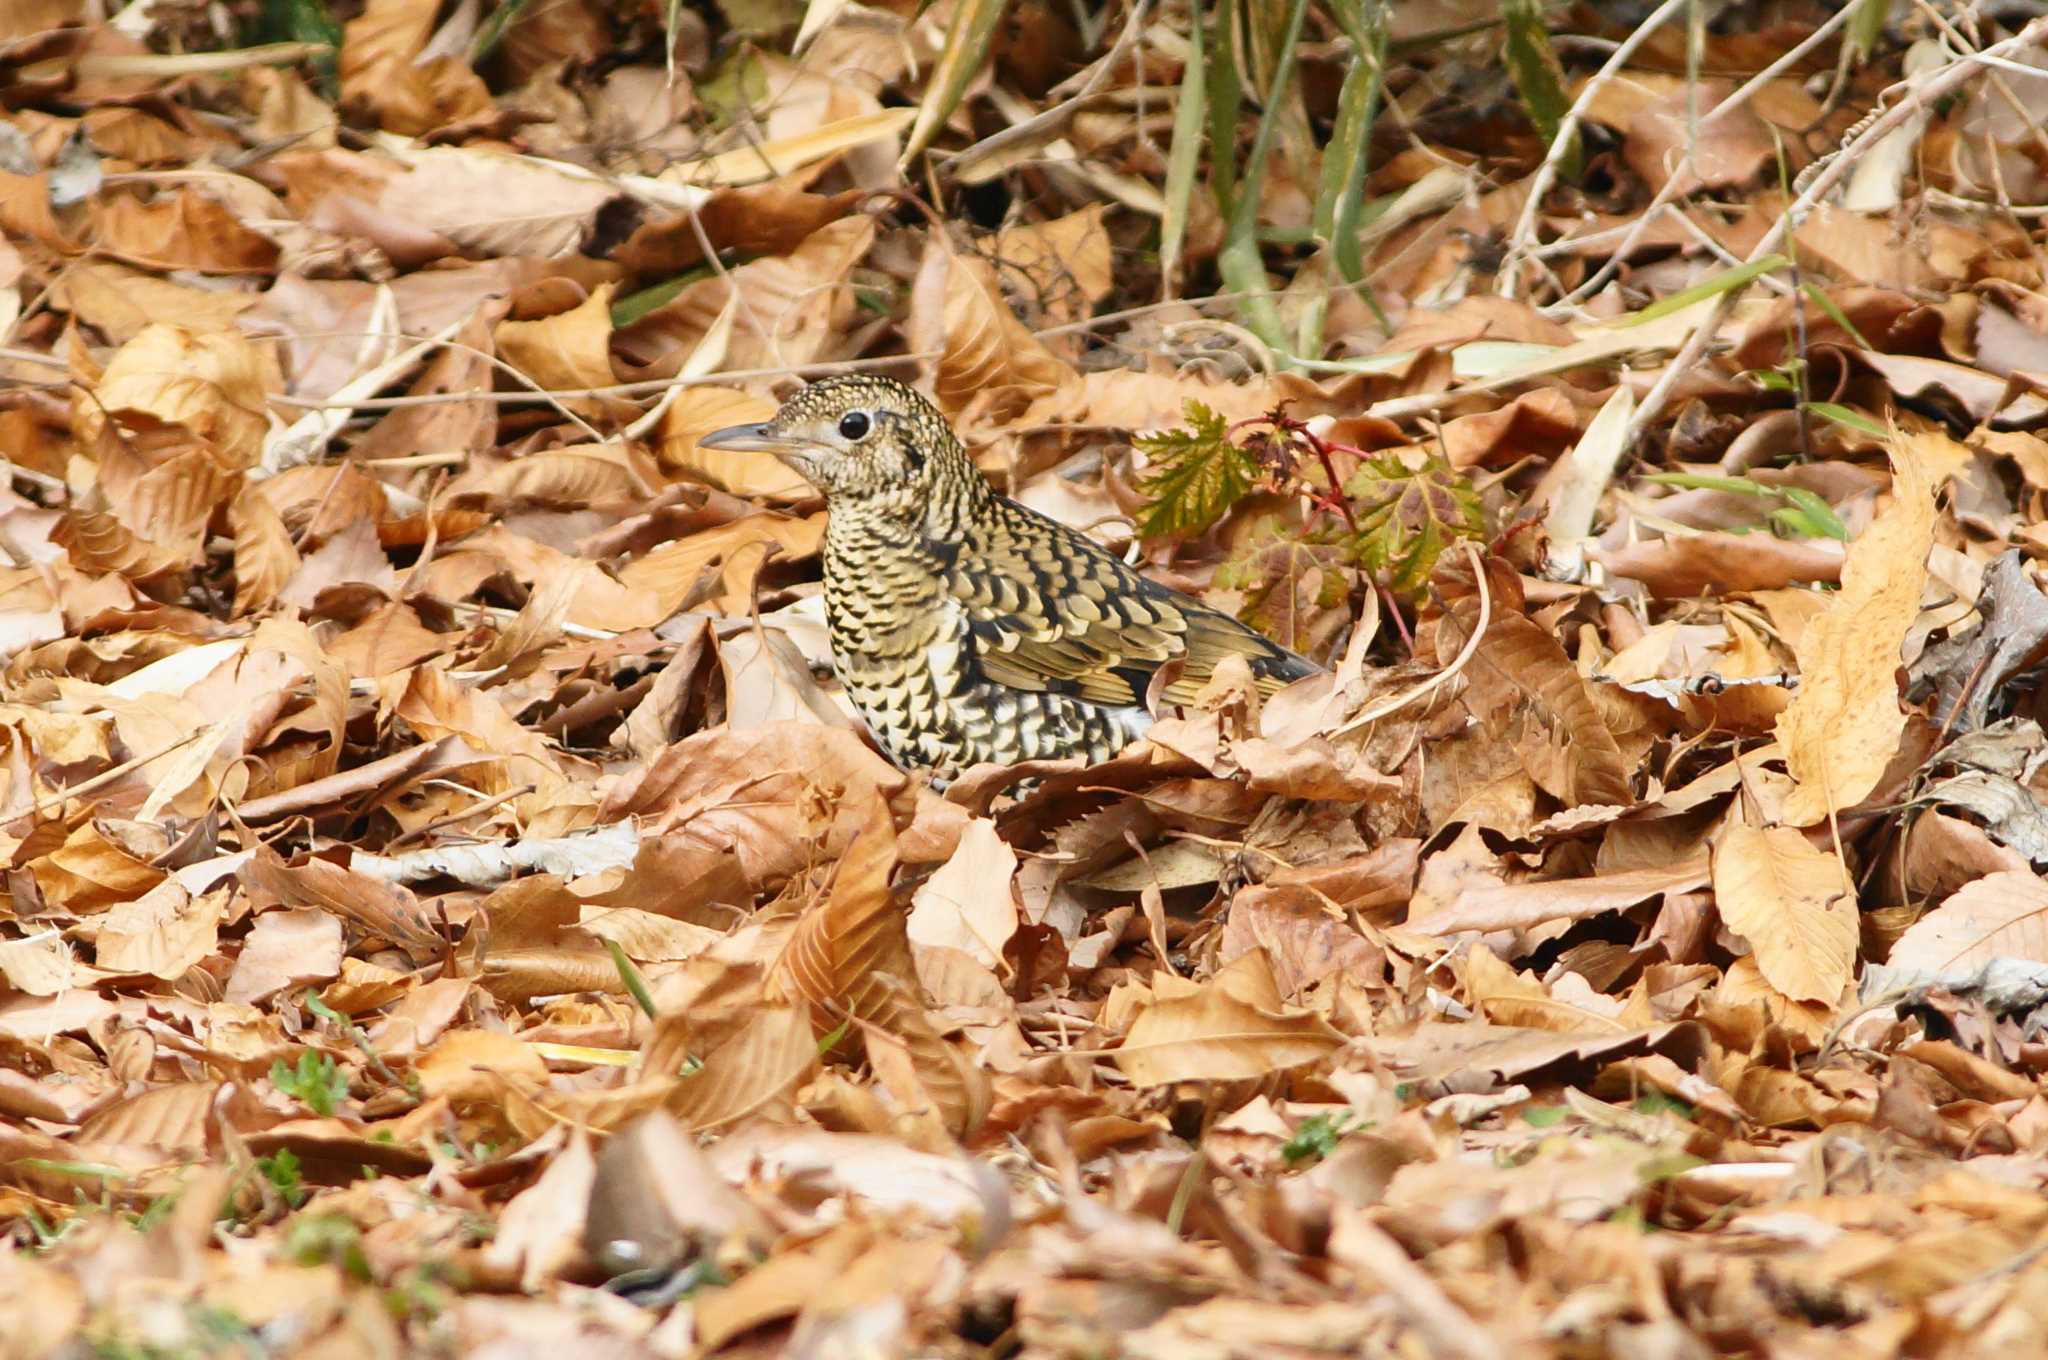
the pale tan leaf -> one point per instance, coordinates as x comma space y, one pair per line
568, 350
786, 155
2000, 916
1507, 997
1231, 1027
967, 904
209, 383
265, 556
164, 933
1794, 904
1844, 724
696, 412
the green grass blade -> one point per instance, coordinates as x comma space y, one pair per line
1539, 78
636, 985
1226, 96
1344, 158
1836, 314
1183, 160
967, 43
501, 19
1243, 268
1722, 282
1846, 416
1866, 27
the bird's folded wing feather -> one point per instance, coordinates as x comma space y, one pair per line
1046, 611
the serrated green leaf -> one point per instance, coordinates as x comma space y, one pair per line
1198, 474
1408, 516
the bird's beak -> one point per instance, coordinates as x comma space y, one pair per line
747, 439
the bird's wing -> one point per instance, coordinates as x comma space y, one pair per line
1048, 610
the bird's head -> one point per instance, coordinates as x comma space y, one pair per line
858, 439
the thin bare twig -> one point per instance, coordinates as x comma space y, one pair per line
1567, 128
1676, 182
1826, 174
630, 389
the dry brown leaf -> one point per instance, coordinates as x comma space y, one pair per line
790, 307
568, 350
697, 411
1523, 686
1795, 906
986, 356
382, 70
850, 957
1231, 1027
1843, 726
735, 552
183, 229
164, 933
209, 384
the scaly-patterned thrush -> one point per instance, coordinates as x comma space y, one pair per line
965, 626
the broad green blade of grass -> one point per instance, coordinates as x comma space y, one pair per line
1183, 160
1242, 266
1866, 26
967, 43
1697, 481
1821, 300
1539, 78
633, 306
1722, 282
1813, 515
1344, 158
1225, 97
1844, 415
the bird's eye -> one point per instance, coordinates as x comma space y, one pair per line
853, 425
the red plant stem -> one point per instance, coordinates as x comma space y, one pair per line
1322, 451
1394, 612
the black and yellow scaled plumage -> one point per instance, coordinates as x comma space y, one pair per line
966, 627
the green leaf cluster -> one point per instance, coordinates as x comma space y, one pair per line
317, 1083
1407, 516
1197, 475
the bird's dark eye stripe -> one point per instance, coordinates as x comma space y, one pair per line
853, 425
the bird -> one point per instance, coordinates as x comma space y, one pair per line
967, 628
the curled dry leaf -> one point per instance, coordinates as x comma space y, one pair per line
985, 355
209, 384
849, 957
1522, 685
1231, 1027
